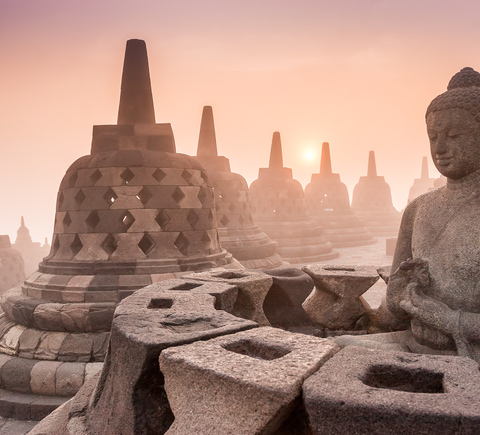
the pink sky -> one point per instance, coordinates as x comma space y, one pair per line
356, 73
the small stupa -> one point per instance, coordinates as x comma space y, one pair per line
372, 202
238, 233
329, 204
278, 207
32, 252
12, 271
131, 213
423, 184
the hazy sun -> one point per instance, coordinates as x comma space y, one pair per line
309, 155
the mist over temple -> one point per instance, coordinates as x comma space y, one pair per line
186, 289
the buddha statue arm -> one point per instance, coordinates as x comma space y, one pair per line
463, 327
400, 276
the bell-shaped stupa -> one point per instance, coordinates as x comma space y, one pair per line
131, 213
238, 233
423, 184
278, 206
329, 204
372, 202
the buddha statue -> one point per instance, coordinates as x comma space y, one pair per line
435, 289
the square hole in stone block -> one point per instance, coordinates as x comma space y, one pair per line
161, 303
256, 350
186, 286
230, 275
404, 379
340, 269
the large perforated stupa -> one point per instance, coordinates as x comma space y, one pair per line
131, 213
278, 207
238, 233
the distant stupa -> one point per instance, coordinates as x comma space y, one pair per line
238, 233
12, 271
278, 206
423, 184
131, 213
372, 202
329, 204
32, 252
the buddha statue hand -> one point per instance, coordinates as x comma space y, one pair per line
411, 271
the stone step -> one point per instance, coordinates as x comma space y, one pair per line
24, 406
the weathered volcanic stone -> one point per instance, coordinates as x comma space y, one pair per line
367, 391
145, 324
336, 302
244, 383
283, 303
252, 290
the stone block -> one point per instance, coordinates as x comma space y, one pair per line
50, 345
252, 289
246, 383
76, 347
283, 303
69, 378
225, 294
29, 342
9, 343
336, 302
15, 374
369, 391
43, 376
47, 317
146, 323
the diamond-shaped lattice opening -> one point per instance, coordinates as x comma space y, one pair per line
187, 176
162, 219
127, 219
224, 221
67, 220
231, 207
109, 245
76, 245
159, 175
192, 218
204, 177
73, 180
146, 244
127, 176
206, 240
110, 196
93, 219
80, 197
181, 244
241, 221
95, 176
144, 195
201, 195
178, 195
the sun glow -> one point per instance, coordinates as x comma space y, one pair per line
309, 155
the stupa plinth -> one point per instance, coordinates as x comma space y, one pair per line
372, 202
423, 184
238, 233
329, 204
278, 206
131, 213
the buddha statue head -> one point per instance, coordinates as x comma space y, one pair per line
453, 126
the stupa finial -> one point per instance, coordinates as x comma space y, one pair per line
276, 156
22, 222
424, 174
325, 161
136, 100
372, 166
207, 142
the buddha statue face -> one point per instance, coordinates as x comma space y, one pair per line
454, 142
